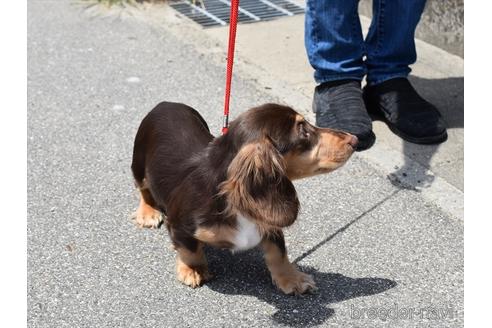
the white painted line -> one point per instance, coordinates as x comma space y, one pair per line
247, 13
209, 15
297, 3
285, 11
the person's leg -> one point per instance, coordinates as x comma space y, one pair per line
334, 41
335, 48
390, 50
390, 43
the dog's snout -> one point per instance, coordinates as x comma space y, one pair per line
353, 141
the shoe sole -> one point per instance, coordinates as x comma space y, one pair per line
432, 140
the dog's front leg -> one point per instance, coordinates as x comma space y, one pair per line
285, 275
191, 264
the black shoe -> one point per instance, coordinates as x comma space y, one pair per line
339, 105
406, 113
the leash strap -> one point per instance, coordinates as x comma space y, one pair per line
230, 61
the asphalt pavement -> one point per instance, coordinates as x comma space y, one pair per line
382, 256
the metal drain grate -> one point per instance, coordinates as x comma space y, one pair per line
216, 12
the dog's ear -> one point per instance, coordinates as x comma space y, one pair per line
257, 186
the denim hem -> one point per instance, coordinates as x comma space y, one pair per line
337, 77
385, 78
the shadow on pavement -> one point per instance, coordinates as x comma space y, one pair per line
447, 95
246, 274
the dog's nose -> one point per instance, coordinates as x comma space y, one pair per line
353, 141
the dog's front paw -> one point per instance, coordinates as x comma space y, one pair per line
193, 277
294, 282
147, 218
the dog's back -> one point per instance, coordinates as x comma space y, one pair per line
166, 140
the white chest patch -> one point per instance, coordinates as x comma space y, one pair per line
247, 235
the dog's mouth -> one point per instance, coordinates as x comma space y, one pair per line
342, 160
322, 170
342, 155
320, 161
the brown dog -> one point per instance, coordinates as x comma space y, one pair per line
233, 191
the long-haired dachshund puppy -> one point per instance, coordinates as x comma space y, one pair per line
233, 191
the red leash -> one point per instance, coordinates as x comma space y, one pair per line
230, 61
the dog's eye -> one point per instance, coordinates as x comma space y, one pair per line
303, 133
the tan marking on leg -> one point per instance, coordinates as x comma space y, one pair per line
192, 268
146, 216
219, 236
286, 275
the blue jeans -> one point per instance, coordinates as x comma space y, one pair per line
336, 47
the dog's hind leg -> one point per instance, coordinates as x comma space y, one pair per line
146, 215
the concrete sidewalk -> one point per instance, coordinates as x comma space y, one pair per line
382, 255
